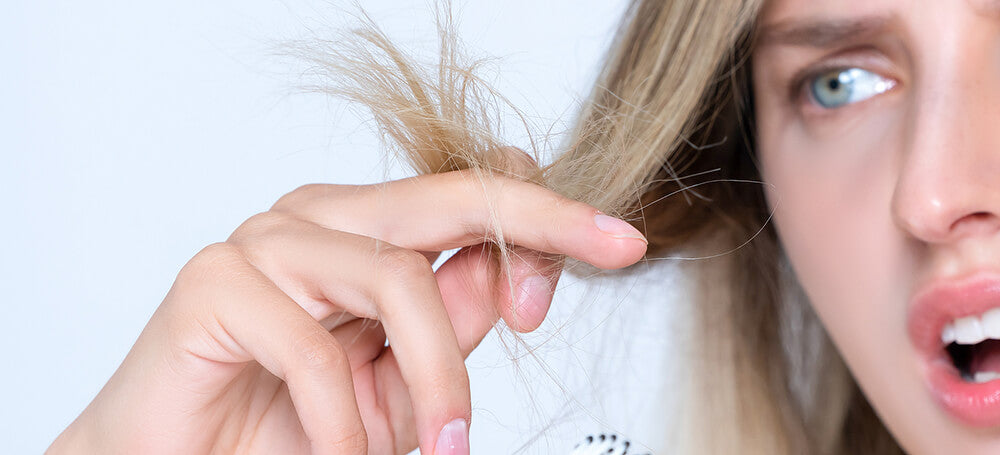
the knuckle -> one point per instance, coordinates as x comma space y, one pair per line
295, 197
259, 226
212, 264
401, 263
297, 200
321, 353
200, 280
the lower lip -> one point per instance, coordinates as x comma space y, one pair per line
974, 404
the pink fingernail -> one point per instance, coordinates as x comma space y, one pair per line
617, 228
454, 439
532, 294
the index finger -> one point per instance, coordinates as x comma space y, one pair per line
455, 209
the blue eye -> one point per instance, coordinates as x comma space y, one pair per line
840, 87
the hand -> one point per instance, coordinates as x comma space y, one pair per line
275, 340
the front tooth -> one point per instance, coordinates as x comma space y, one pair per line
948, 334
968, 330
991, 323
985, 376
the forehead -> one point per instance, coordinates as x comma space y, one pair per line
780, 11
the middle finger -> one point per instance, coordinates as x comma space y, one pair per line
373, 279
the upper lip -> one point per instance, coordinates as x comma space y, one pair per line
944, 300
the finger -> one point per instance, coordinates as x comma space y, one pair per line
476, 294
467, 281
254, 320
457, 209
372, 279
516, 162
524, 297
362, 339
422, 341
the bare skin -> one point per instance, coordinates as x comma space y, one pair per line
274, 341
879, 196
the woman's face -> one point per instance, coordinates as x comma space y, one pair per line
879, 129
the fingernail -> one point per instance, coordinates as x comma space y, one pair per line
454, 439
617, 228
532, 294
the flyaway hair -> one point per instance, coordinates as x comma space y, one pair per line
665, 141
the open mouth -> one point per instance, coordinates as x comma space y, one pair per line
973, 344
956, 326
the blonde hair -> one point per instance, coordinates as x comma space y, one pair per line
674, 97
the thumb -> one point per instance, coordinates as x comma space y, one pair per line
523, 298
476, 294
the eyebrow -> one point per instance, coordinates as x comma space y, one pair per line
821, 33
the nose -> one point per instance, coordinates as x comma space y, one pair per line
948, 187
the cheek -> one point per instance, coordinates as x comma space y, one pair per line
832, 210
832, 217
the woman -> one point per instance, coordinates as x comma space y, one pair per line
856, 320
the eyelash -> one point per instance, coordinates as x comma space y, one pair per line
800, 87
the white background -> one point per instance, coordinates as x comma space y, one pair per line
132, 134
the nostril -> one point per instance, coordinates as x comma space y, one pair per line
939, 208
976, 223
